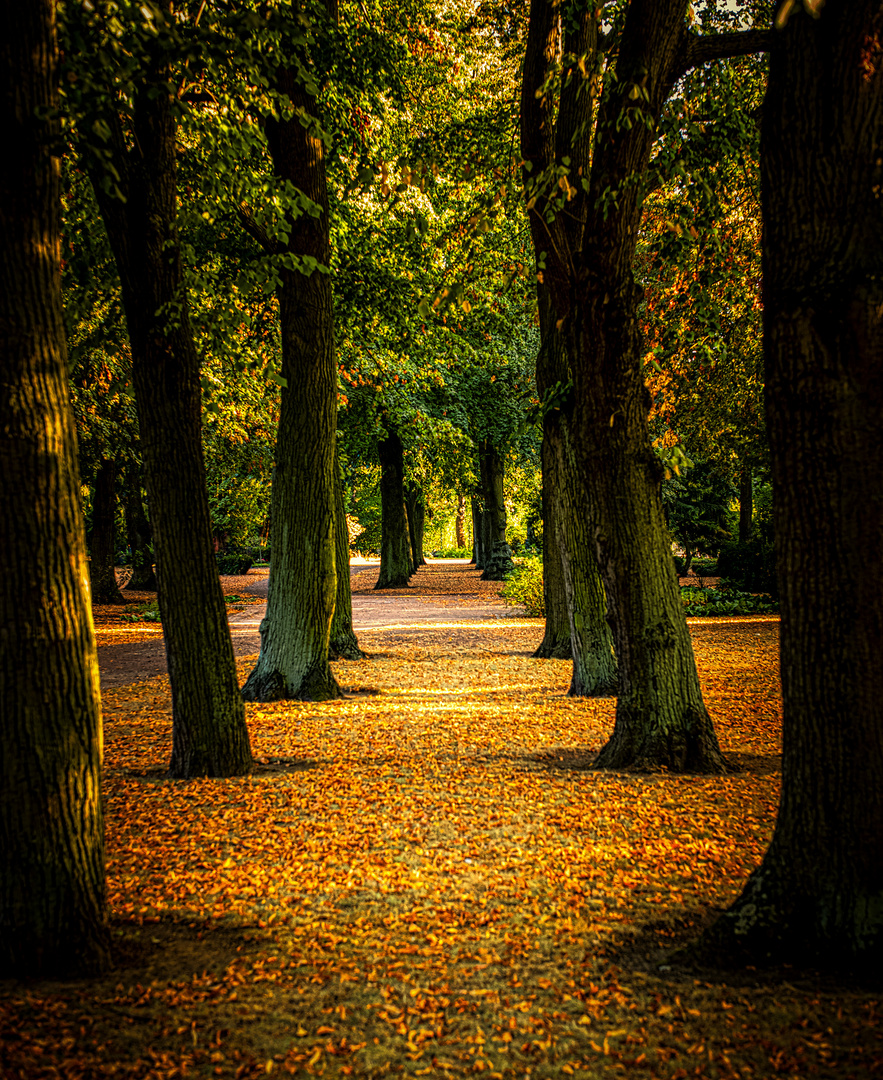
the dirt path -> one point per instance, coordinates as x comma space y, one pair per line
445, 592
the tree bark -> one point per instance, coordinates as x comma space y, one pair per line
395, 544
818, 895
139, 535
478, 533
103, 540
661, 720
556, 639
498, 555
53, 916
746, 504
343, 643
460, 522
209, 736
416, 523
296, 631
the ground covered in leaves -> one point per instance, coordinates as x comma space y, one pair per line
426, 878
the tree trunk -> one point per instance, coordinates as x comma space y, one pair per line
416, 523
556, 639
460, 522
343, 644
395, 543
209, 736
498, 559
103, 541
53, 917
818, 895
661, 720
746, 505
478, 554
296, 631
139, 535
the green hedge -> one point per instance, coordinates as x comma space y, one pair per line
234, 563
524, 585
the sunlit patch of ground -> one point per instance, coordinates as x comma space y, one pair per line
426, 878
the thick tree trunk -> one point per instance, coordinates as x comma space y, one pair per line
746, 504
395, 543
818, 895
416, 523
460, 522
498, 558
556, 639
343, 643
103, 540
52, 895
139, 535
296, 631
661, 720
209, 736
478, 531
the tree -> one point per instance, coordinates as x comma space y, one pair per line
396, 566
585, 203
818, 894
134, 178
52, 893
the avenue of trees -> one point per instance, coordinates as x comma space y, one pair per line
426, 247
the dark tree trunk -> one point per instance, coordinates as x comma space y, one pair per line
556, 639
395, 543
460, 522
818, 894
478, 553
343, 644
139, 535
416, 523
103, 540
296, 631
746, 504
209, 736
498, 558
661, 720
53, 917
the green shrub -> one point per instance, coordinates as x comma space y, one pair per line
148, 611
234, 562
750, 566
725, 601
453, 553
524, 585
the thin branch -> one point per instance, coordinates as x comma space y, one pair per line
257, 232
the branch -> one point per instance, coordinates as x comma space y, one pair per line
257, 232
700, 48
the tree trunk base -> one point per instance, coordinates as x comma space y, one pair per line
603, 686
499, 564
554, 649
346, 647
393, 581
316, 684
689, 746
142, 581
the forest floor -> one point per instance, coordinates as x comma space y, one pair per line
426, 878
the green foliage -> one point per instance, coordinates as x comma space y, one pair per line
697, 508
700, 567
145, 612
725, 601
234, 563
453, 553
750, 565
524, 586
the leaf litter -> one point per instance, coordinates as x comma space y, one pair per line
427, 879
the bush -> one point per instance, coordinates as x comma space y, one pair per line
453, 553
234, 562
725, 601
750, 566
700, 567
524, 585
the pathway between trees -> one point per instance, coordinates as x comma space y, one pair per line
445, 591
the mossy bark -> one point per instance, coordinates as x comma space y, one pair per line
343, 643
817, 897
53, 918
102, 548
209, 736
302, 589
556, 638
498, 555
395, 543
416, 508
139, 535
478, 533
